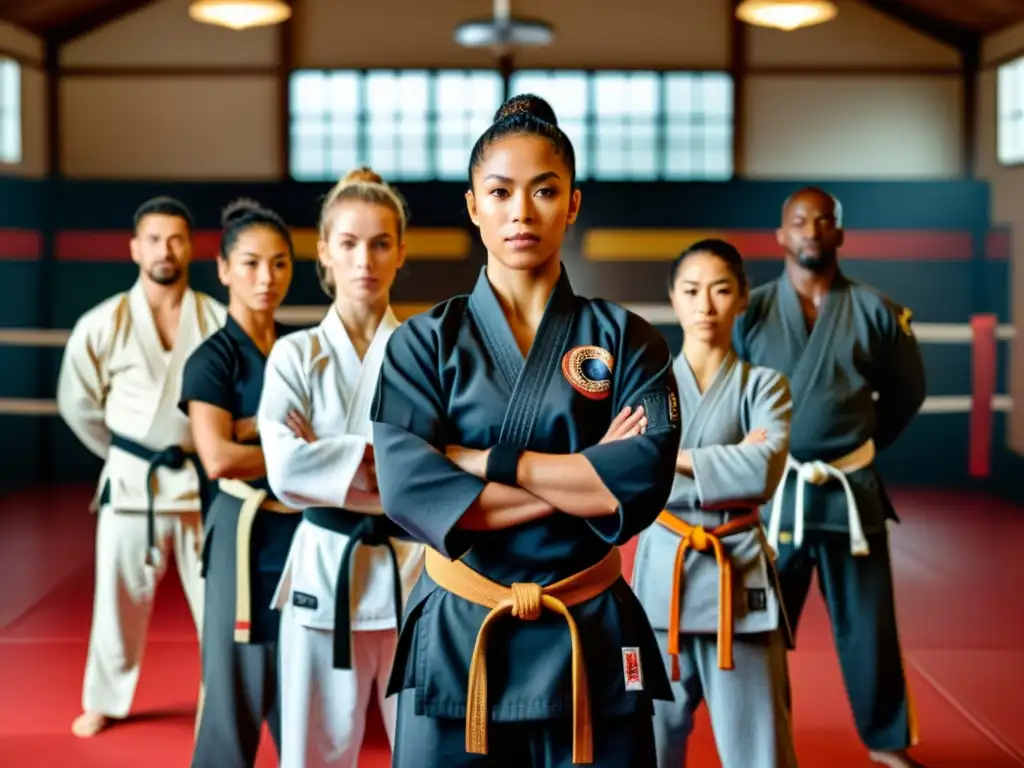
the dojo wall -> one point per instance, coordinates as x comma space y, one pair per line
154, 103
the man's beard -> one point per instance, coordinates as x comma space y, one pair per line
165, 274
815, 262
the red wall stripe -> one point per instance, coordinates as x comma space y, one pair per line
20, 245
998, 244
983, 389
114, 246
882, 245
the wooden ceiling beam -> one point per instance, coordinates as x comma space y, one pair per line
927, 24
91, 20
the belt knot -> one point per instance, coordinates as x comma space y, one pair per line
527, 601
373, 531
699, 539
815, 472
172, 457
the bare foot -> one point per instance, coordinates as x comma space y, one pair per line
88, 724
895, 759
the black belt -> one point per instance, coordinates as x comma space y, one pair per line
173, 457
370, 531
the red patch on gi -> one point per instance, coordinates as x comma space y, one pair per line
632, 670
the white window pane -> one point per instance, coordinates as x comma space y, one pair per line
414, 154
1010, 109
343, 94
383, 95
680, 96
716, 94
643, 91
528, 82
309, 163
308, 93
642, 142
414, 92
10, 111
465, 107
717, 162
610, 160
611, 95
452, 163
566, 92
451, 93
344, 156
486, 94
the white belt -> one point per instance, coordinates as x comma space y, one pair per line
819, 473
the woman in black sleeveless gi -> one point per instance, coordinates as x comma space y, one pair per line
221, 389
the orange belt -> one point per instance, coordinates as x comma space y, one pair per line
696, 537
526, 602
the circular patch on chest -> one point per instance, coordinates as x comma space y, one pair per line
589, 371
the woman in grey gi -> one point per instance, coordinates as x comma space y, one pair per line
704, 573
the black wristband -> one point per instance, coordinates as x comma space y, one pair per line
503, 463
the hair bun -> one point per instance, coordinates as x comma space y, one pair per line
365, 175
526, 104
237, 209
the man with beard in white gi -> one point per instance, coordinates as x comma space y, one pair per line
119, 384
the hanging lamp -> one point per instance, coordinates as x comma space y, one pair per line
240, 14
786, 15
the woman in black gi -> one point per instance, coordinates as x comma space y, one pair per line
524, 432
221, 389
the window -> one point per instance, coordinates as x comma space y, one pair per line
10, 112
627, 106
464, 107
567, 93
699, 126
1010, 110
417, 125
409, 125
641, 126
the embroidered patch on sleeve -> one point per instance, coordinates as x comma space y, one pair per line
661, 409
589, 370
302, 600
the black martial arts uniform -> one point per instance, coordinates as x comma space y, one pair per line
240, 678
455, 376
857, 380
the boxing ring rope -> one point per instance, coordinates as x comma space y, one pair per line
983, 333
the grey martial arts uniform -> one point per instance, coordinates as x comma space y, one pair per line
857, 380
748, 704
239, 678
455, 376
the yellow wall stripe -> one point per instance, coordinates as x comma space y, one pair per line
433, 243
640, 244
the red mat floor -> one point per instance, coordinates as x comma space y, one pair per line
958, 568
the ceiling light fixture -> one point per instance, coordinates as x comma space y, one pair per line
240, 14
502, 32
786, 15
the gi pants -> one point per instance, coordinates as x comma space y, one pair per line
123, 599
429, 742
748, 705
858, 591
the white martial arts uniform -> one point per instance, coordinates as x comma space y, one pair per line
323, 710
117, 379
